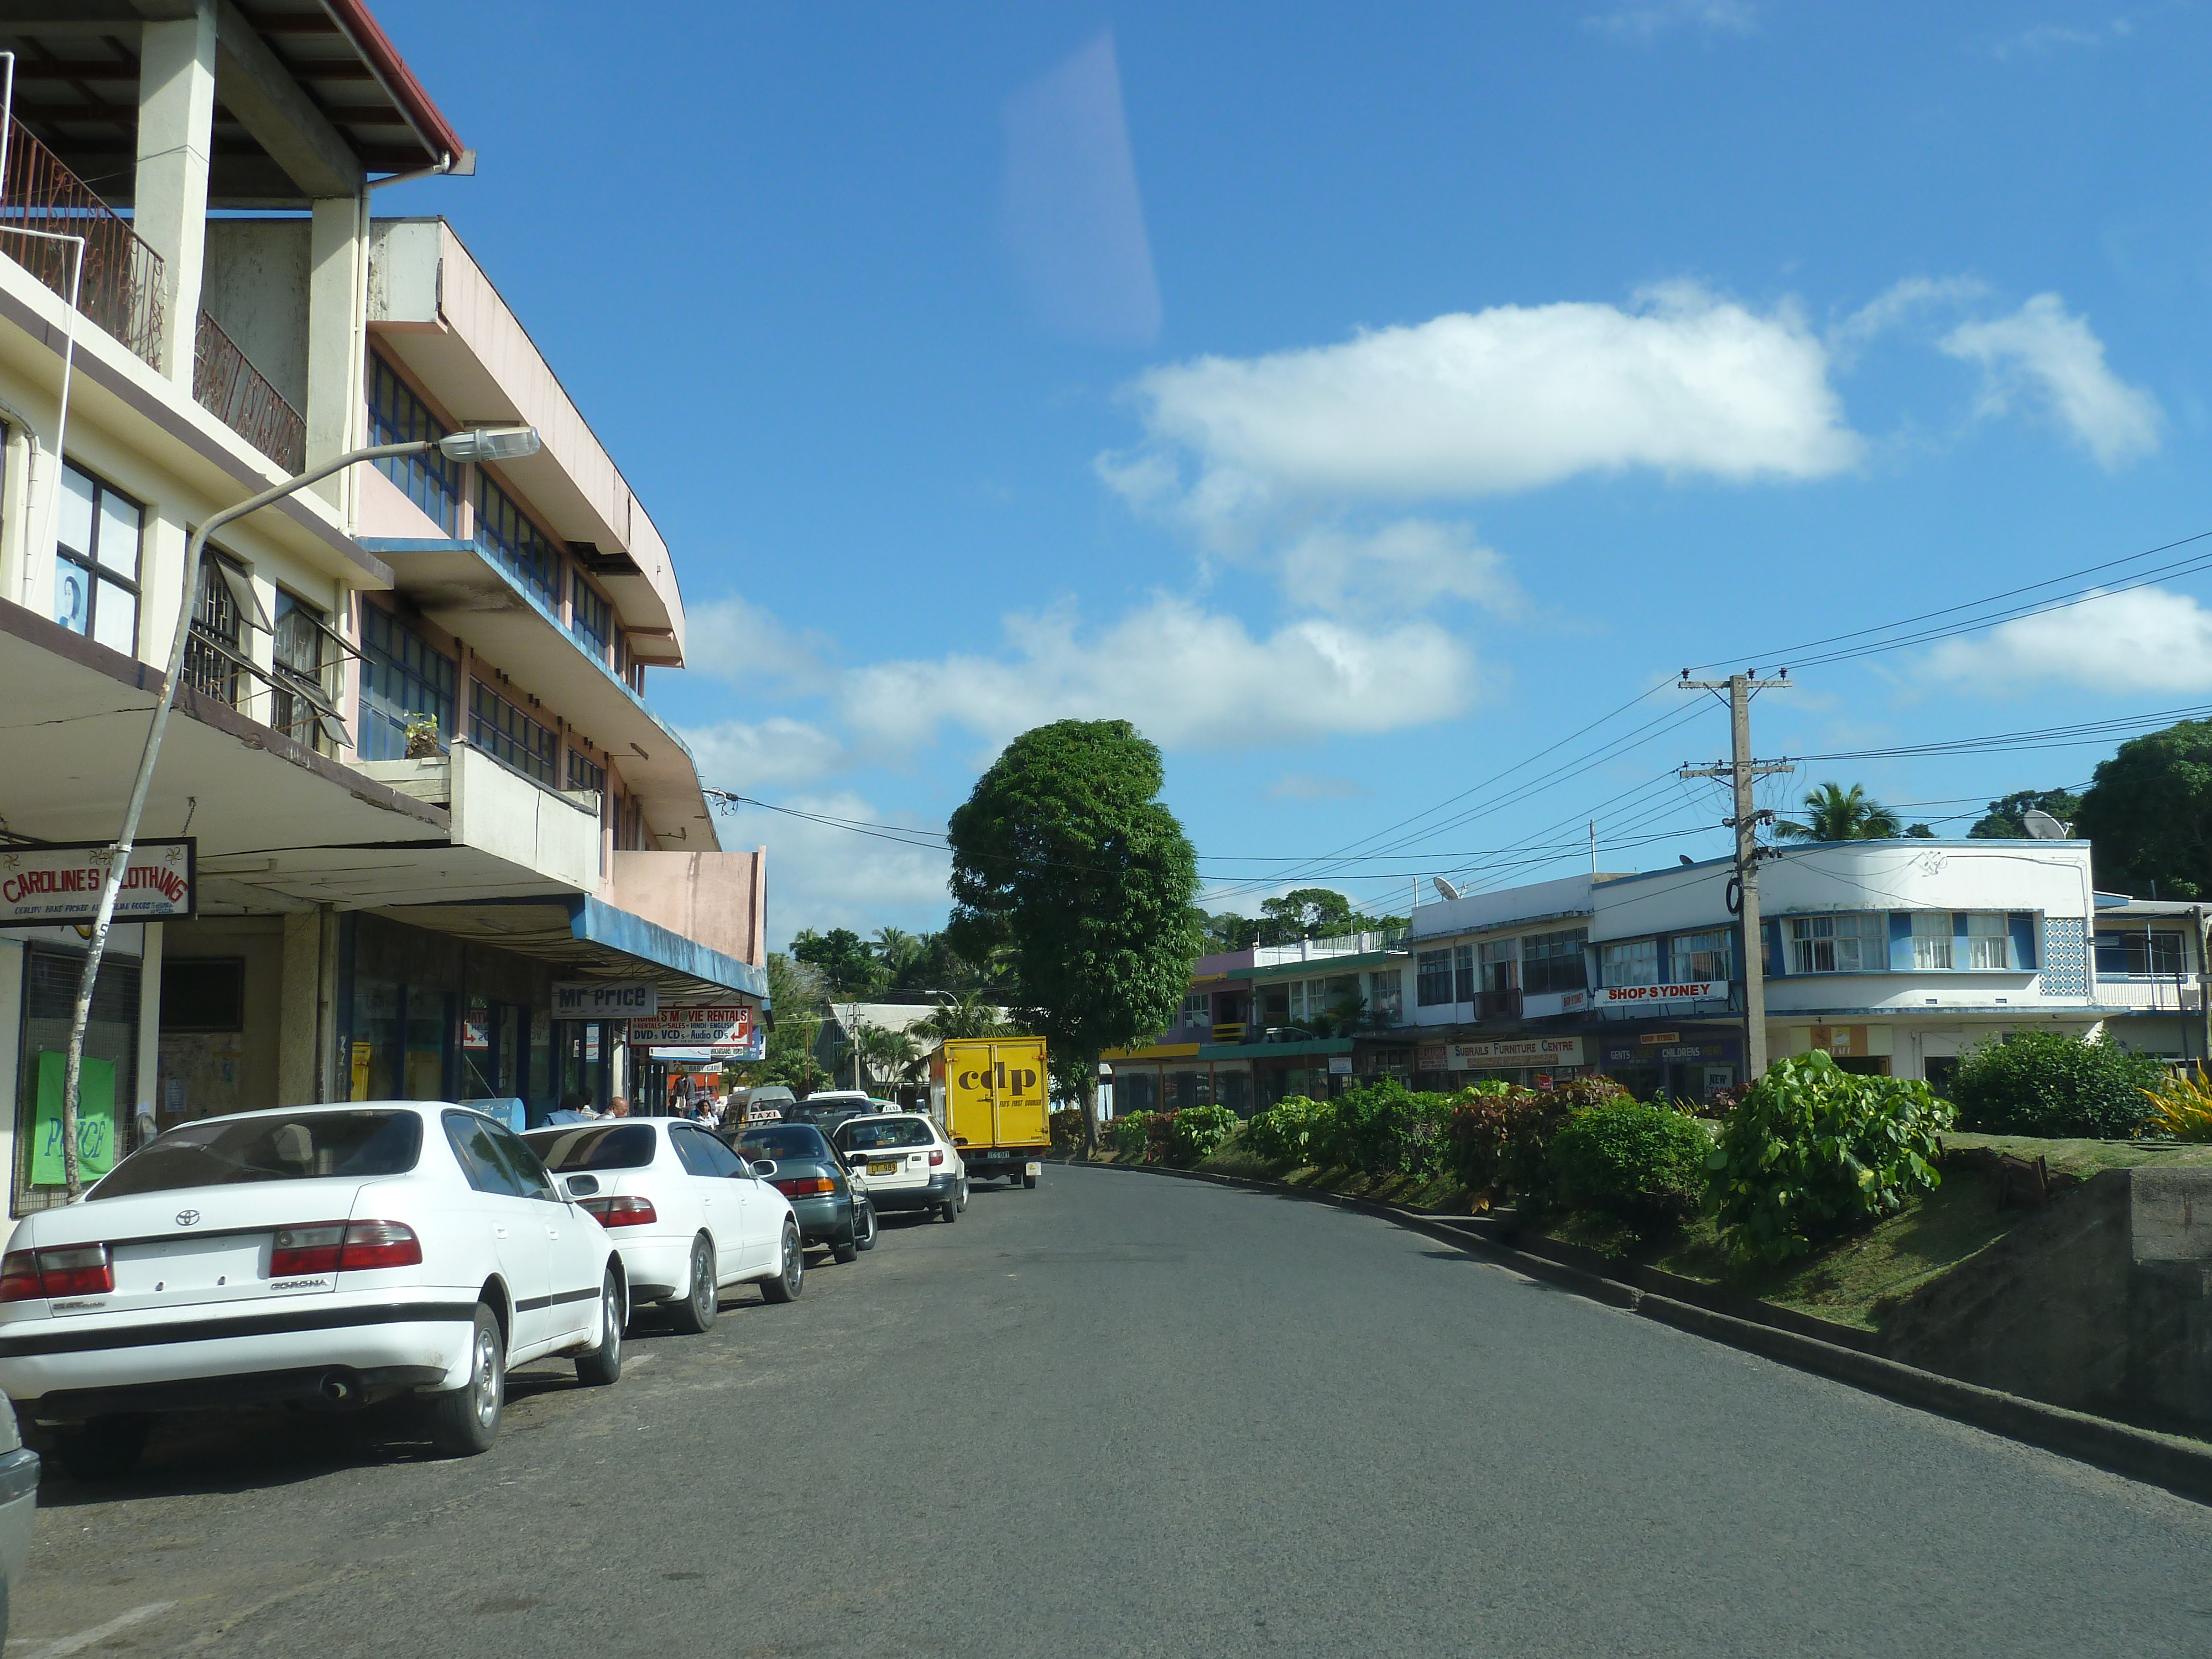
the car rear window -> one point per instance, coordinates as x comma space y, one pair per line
596, 1146
894, 1132
280, 1146
799, 1141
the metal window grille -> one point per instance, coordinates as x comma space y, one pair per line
497, 727
592, 619
584, 774
397, 416
506, 535
402, 674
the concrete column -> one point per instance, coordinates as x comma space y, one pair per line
336, 314
300, 998
176, 116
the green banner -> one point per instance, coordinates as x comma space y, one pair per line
95, 1119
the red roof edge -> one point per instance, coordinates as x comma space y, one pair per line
369, 39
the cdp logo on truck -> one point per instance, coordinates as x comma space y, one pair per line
999, 1080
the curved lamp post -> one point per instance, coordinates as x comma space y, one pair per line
479, 444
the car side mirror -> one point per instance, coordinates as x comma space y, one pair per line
579, 1186
856, 1160
764, 1168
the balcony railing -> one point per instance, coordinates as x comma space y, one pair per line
234, 391
1320, 950
122, 285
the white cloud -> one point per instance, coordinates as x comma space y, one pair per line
2041, 40
823, 877
1186, 677
742, 757
1501, 400
1645, 23
1305, 786
2146, 639
2043, 353
1895, 305
733, 639
1402, 567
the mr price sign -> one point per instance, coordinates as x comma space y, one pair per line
606, 998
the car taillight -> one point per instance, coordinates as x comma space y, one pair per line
380, 1244
805, 1186
19, 1277
310, 1250
76, 1270
625, 1209
936, 1158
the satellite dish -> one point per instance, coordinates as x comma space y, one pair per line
2041, 826
1445, 888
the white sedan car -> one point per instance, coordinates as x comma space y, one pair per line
333, 1255
689, 1215
903, 1161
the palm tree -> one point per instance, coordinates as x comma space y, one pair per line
897, 949
891, 1055
967, 1015
1835, 813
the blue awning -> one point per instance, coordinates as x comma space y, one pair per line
591, 922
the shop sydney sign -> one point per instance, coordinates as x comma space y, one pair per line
1646, 996
51, 886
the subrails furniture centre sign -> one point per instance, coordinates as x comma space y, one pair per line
42, 886
1485, 1056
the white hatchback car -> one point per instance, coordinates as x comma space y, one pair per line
903, 1161
336, 1255
689, 1215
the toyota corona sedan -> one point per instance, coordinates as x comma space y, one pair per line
331, 1255
831, 1206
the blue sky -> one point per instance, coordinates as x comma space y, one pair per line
1361, 399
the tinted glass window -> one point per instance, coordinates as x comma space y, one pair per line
522, 1163
277, 1147
727, 1162
692, 1151
487, 1171
595, 1147
870, 1136
797, 1140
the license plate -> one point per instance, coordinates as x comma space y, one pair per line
883, 1166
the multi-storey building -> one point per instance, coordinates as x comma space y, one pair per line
411, 756
1893, 957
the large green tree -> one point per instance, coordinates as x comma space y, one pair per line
843, 957
1065, 858
2149, 813
2007, 819
1835, 813
796, 991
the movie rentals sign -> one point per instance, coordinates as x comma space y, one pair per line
42, 886
696, 1028
1647, 996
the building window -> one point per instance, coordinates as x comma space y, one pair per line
1197, 1008
507, 535
1931, 938
1433, 979
1698, 958
1839, 944
1989, 940
298, 656
1554, 962
96, 562
498, 727
397, 416
1631, 962
401, 676
591, 618
584, 774
2138, 955
211, 656
1494, 970
1386, 996
1463, 973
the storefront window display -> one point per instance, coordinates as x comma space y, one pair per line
107, 1081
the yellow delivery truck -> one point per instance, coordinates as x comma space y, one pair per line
996, 1105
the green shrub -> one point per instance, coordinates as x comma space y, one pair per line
1195, 1131
1284, 1132
1132, 1130
1383, 1128
1066, 1126
2048, 1083
1813, 1150
1642, 1166
1158, 1129
1500, 1132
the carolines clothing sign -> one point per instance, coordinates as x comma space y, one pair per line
40, 886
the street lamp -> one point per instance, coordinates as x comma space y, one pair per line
499, 443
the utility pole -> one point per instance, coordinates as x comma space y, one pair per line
2204, 989
1743, 771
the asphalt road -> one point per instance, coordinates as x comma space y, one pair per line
1129, 1415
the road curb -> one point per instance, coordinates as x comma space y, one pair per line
2179, 1466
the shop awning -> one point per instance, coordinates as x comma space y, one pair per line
587, 938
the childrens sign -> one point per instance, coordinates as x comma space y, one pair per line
95, 1119
43, 886
606, 998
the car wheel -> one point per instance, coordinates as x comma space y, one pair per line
105, 1449
464, 1421
696, 1311
847, 1248
1030, 1181
864, 1228
960, 1197
948, 1211
786, 1285
603, 1366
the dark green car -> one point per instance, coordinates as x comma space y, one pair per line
829, 1209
